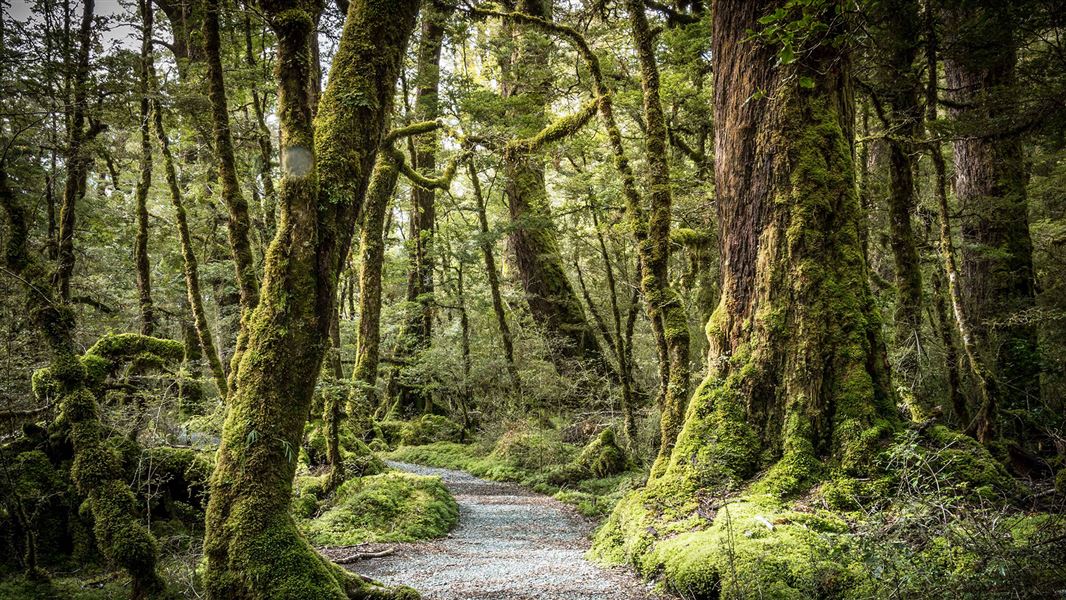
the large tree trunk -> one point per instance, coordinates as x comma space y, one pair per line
553, 303
418, 330
252, 547
996, 278
797, 373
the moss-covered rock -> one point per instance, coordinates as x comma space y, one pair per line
391, 507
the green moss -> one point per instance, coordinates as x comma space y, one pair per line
602, 457
428, 429
65, 588
357, 457
531, 450
756, 548
391, 507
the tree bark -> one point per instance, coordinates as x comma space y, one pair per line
996, 277
252, 546
797, 371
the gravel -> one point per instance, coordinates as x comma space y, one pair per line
510, 544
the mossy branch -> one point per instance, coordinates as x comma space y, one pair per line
557, 130
409, 130
430, 183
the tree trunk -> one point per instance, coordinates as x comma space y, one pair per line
252, 546
797, 371
899, 85
553, 303
665, 311
140, 246
506, 339
95, 470
188, 254
238, 222
77, 161
364, 401
996, 277
418, 330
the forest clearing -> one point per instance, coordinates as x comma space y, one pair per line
553, 299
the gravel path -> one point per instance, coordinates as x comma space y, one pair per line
510, 544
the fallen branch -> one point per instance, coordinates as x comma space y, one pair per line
358, 556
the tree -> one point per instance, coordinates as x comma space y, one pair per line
140, 248
996, 276
553, 303
897, 40
418, 331
252, 547
238, 223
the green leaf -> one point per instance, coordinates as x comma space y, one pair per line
807, 82
787, 55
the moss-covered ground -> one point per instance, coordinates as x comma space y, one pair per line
389, 507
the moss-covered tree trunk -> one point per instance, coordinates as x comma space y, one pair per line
417, 333
665, 311
797, 373
493, 277
898, 85
238, 222
186, 24
371, 260
553, 303
144, 183
96, 470
996, 276
190, 264
77, 161
252, 547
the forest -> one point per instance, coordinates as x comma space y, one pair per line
582, 299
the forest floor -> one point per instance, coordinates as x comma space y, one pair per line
510, 544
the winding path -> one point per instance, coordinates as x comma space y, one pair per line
510, 544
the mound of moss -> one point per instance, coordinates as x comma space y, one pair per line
602, 457
390, 507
